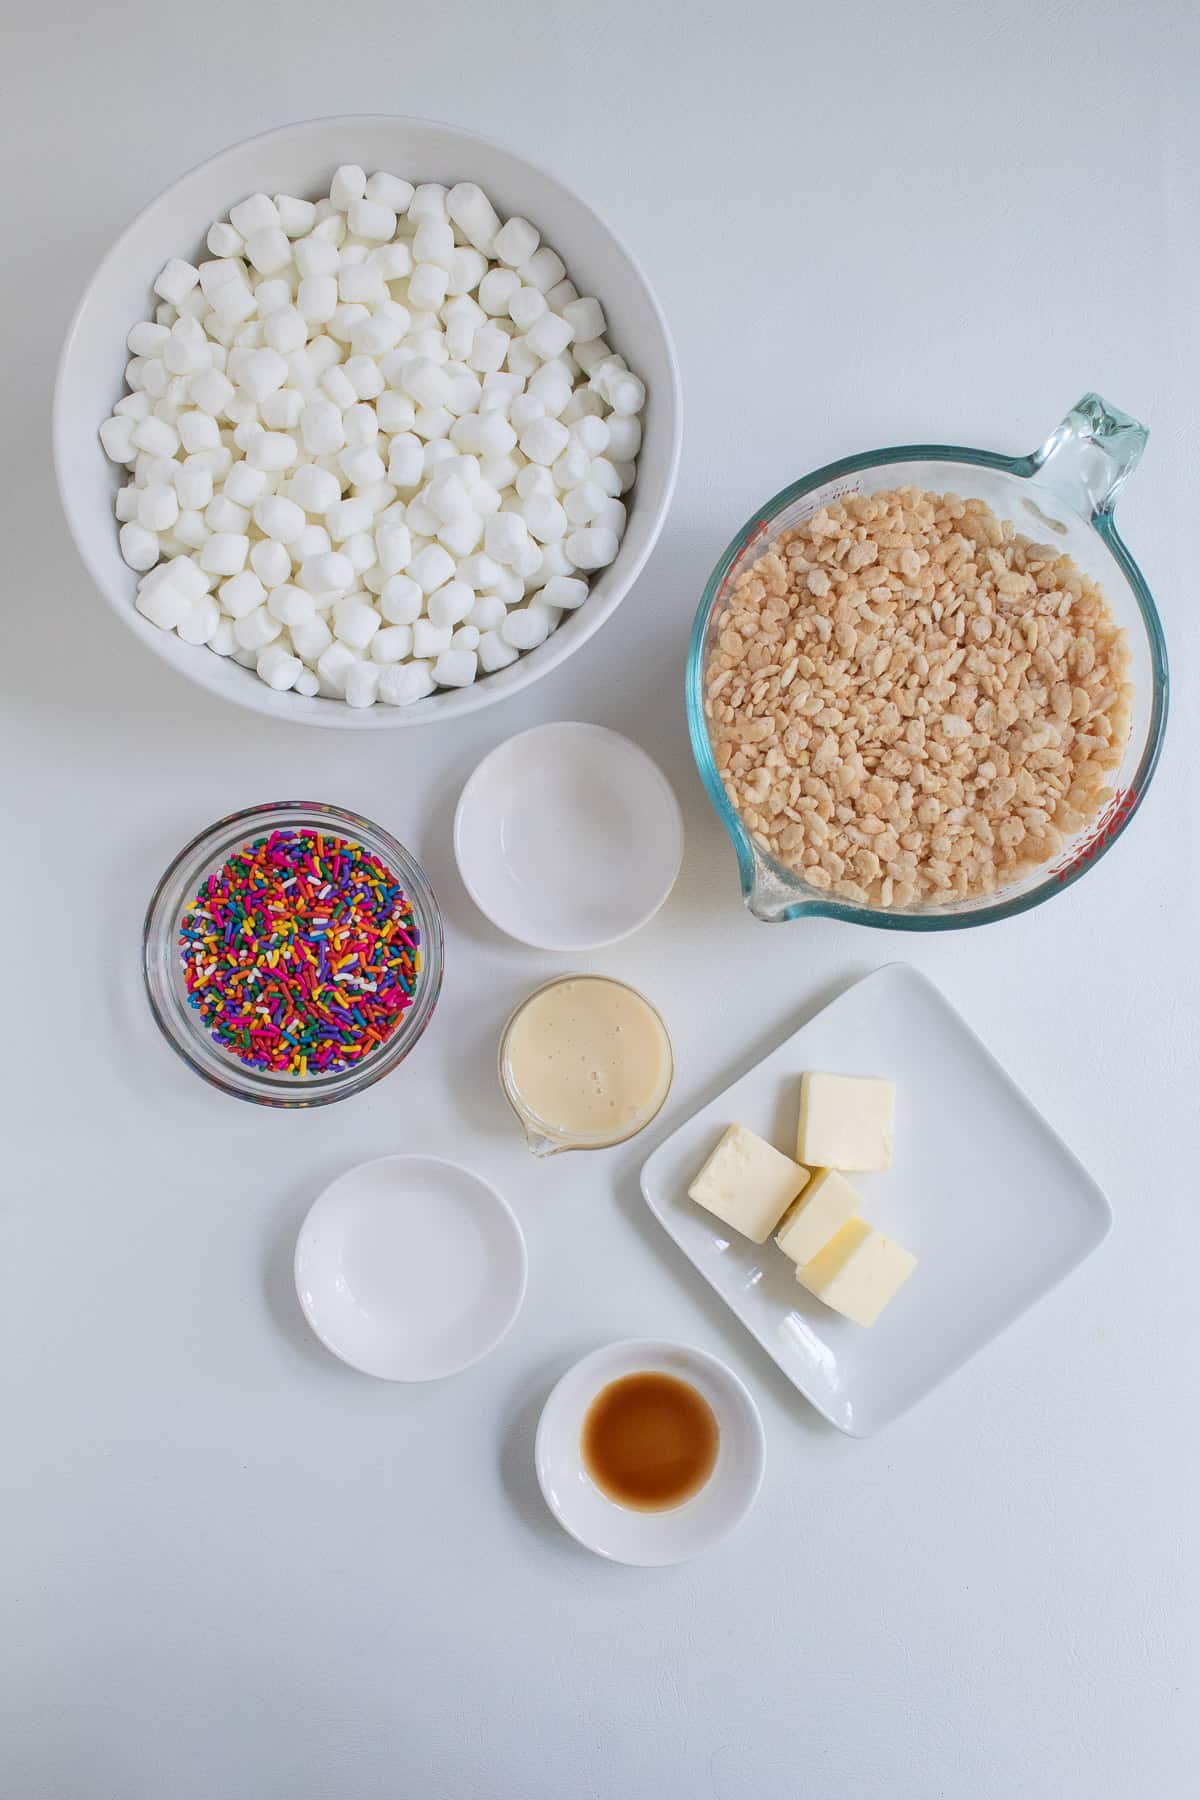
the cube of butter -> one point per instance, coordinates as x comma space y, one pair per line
827, 1203
748, 1184
858, 1272
845, 1122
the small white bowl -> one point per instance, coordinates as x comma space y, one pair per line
410, 1268
300, 159
568, 837
649, 1539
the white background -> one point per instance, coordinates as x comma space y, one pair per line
230, 1569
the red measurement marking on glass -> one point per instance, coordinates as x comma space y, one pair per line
1109, 824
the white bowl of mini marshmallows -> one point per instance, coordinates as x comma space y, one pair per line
366, 422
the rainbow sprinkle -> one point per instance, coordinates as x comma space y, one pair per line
300, 953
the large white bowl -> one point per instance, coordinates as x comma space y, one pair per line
299, 159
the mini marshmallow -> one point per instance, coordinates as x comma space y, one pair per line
394, 411
394, 261
430, 639
360, 548
496, 291
258, 213
624, 437
505, 537
279, 518
255, 630
155, 436
406, 461
282, 410
527, 626
273, 450
583, 502
278, 668
269, 251
306, 683
362, 465
390, 190
466, 638
240, 595
290, 605
455, 668
224, 240
317, 299
334, 665
449, 498
544, 440
360, 425
163, 603
371, 220
489, 348
116, 435
244, 485
327, 572
393, 546
225, 553
545, 518
451, 604
316, 256
520, 359
427, 286
285, 329
625, 393
406, 684
474, 214
365, 376
321, 428
467, 269
433, 242
346, 315
349, 184
433, 422
345, 517
592, 548
126, 502
495, 652
572, 467
548, 336
224, 639
462, 536
355, 623
488, 613
612, 516
310, 638
515, 242
544, 270
428, 202
431, 567
392, 644
158, 507
139, 547
314, 540
314, 489
401, 600
176, 279
480, 572
566, 592
533, 479
296, 217
210, 392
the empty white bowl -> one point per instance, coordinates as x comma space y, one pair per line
649, 1539
568, 837
410, 1268
300, 159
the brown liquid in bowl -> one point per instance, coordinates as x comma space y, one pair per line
649, 1441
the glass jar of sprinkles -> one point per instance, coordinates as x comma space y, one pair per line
293, 953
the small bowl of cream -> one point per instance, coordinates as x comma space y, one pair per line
585, 1062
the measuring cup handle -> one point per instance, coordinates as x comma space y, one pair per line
1087, 458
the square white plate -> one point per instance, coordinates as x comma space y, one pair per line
988, 1197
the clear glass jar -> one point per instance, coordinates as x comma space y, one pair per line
1063, 493
180, 1022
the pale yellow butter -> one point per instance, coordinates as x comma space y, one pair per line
858, 1272
845, 1122
827, 1203
748, 1184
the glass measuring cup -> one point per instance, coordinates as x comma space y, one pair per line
1063, 493
546, 1137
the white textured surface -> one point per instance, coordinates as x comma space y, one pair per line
866, 225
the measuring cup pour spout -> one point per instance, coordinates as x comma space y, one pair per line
539, 1142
